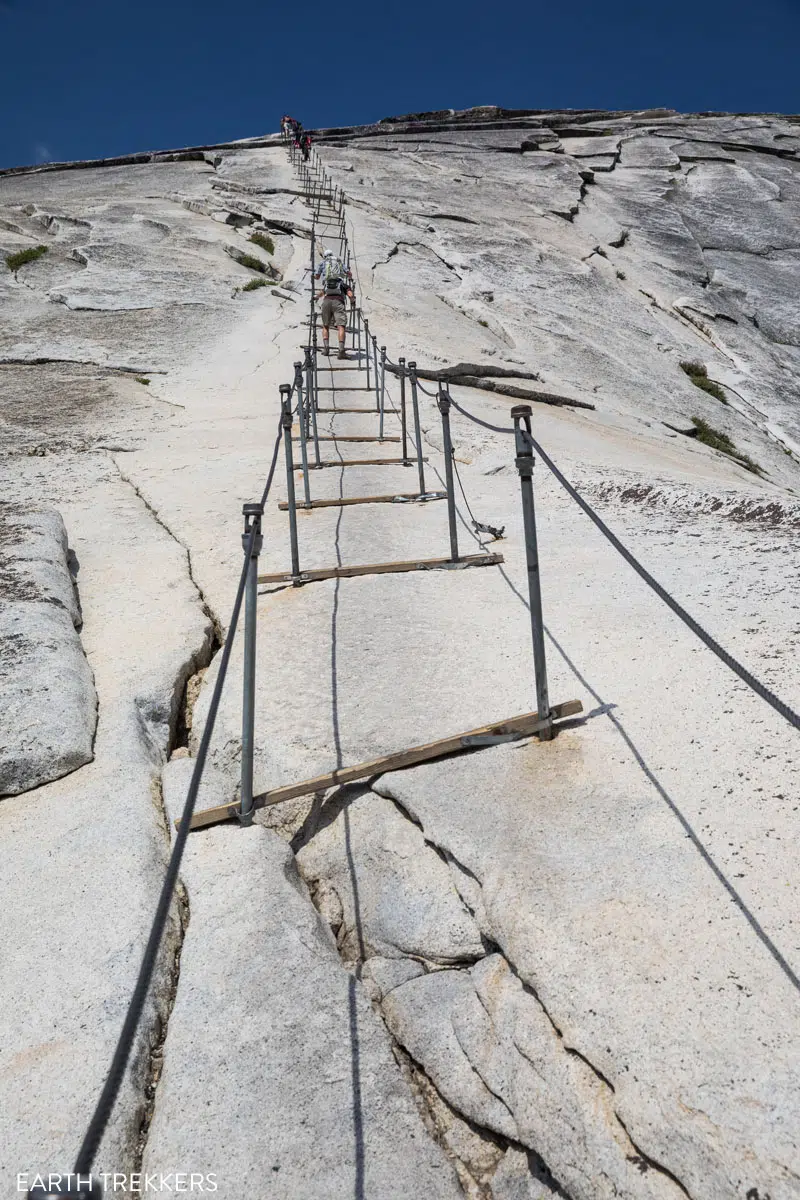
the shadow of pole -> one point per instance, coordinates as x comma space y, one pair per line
647, 771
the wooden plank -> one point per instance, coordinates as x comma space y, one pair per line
344, 500
350, 438
511, 729
370, 412
346, 387
387, 568
360, 462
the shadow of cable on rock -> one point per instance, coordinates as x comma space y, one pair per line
353, 976
652, 778
607, 710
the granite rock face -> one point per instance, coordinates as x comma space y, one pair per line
534, 970
300, 1046
602, 247
395, 895
490, 1049
46, 687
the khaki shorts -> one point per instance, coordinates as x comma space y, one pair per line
333, 312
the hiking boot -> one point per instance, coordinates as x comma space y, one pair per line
341, 353
326, 349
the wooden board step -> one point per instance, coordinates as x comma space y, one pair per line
511, 730
342, 501
362, 462
351, 438
387, 568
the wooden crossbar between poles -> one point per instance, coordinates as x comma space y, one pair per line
487, 735
369, 411
352, 438
387, 568
394, 498
360, 462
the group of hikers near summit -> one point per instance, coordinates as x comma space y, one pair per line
337, 282
293, 129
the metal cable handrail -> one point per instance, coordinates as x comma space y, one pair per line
108, 1095
713, 645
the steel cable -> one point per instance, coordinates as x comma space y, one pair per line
711, 643
479, 526
108, 1096
722, 654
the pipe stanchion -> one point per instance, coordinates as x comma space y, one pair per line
366, 345
382, 403
252, 542
443, 401
302, 418
311, 397
286, 422
377, 375
412, 375
312, 335
521, 415
403, 422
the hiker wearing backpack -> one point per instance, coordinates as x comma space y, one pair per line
336, 284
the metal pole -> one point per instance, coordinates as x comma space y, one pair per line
312, 400
301, 416
312, 335
443, 400
521, 414
358, 333
403, 424
252, 529
382, 404
366, 344
377, 376
412, 375
286, 422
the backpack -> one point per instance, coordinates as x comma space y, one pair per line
335, 277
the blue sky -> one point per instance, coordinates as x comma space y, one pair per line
89, 78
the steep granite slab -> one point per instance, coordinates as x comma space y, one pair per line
85, 854
301, 1096
594, 900
47, 692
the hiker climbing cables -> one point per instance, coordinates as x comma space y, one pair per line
336, 284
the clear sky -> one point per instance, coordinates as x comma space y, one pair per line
90, 78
